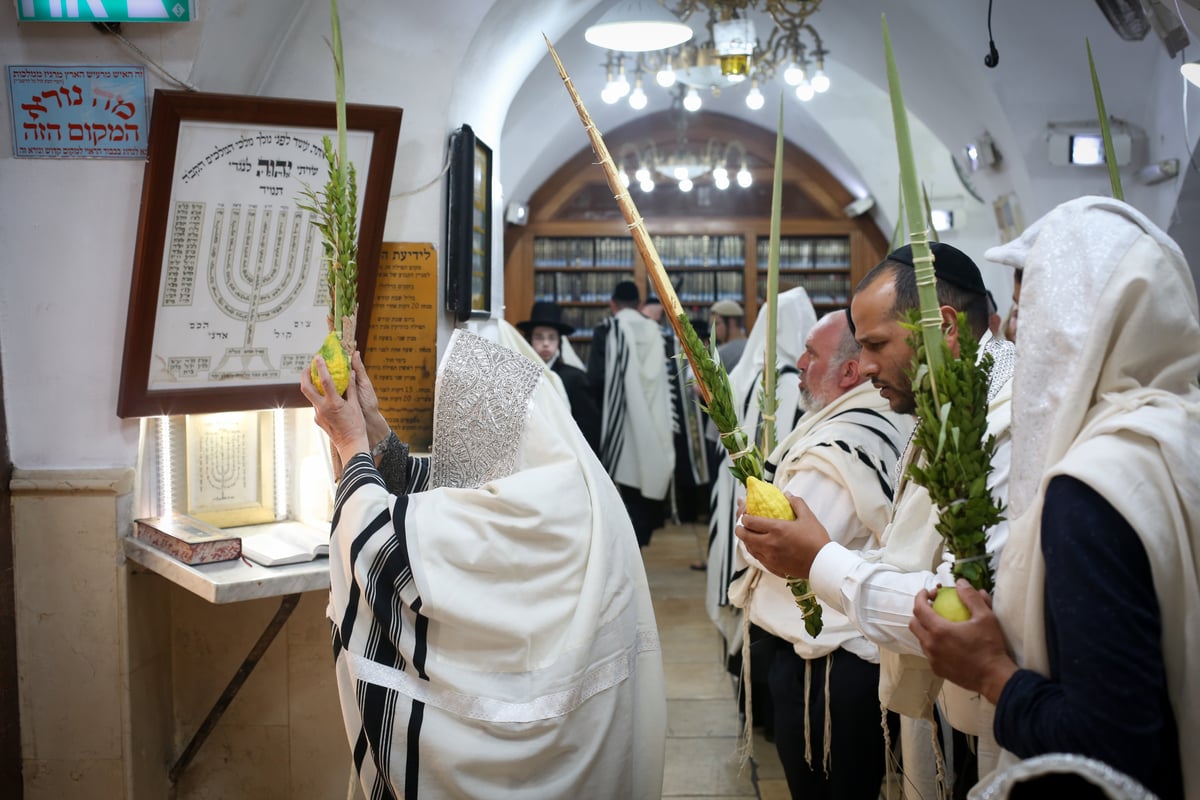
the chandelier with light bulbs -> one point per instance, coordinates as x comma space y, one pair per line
683, 164
733, 53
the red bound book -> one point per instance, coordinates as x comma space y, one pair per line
188, 539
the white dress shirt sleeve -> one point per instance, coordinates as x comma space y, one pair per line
876, 597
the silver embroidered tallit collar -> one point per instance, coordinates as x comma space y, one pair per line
481, 404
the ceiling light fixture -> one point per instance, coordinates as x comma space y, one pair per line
685, 165
636, 26
732, 54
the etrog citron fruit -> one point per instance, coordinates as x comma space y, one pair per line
339, 366
766, 500
948, 605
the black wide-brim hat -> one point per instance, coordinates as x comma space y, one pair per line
546, 314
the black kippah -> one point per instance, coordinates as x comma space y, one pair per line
949, 264
625, 291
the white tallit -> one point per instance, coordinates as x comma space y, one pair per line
796, 319
494, 635
1105, 391
907, 685
855, 442
637, 445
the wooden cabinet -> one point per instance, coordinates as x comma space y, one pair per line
713, 243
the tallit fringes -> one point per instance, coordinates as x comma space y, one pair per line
943, 789
745, 750
828, 713
891, 765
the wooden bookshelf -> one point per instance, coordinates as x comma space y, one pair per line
714, 243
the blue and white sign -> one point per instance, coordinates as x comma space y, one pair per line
78, 111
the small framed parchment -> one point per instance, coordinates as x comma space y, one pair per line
230, 461
229, 296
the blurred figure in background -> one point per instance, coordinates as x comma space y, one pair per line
546, 331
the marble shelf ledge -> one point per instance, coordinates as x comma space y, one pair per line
231, 581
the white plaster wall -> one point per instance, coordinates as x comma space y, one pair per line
68, 231
68, 227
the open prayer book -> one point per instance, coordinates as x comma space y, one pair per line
285, 542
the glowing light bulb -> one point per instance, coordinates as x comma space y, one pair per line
744, 178
685, 185
804, 92
754, 98
609, 94
820, 81
637, 99
621, 85
647, 186
691, 100
642, 175
793, 74
721, 181
623, 177
720, 174
665, 77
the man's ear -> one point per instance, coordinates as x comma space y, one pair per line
950, 327
848, 377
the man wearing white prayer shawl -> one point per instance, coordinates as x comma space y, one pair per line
1094, 646
841, 458
627, 366
874, 588
796, 318
493, 635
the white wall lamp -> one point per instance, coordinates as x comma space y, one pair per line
1191, 71
981, 152
942, 219
1159, 171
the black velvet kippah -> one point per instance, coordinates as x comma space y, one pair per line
626, 290
949, 264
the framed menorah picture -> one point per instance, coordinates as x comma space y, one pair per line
230, 296
230, 468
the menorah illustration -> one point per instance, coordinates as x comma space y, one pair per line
255, 284
222, 462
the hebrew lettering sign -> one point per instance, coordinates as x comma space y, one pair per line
78, 112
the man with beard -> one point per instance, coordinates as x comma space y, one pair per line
875, 589
841, 459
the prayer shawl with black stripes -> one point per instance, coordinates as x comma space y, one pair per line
493, 636
636, 443
854, 441
796, 319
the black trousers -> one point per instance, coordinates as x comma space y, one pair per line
856, 756
645, 514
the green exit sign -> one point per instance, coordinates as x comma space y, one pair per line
106, 10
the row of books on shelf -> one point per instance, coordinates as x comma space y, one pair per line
807, 253
823, 290
707, 286
728, 250
194, 541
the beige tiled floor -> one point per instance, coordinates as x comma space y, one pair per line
702, 714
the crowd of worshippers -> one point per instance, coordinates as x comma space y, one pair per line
493, 591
